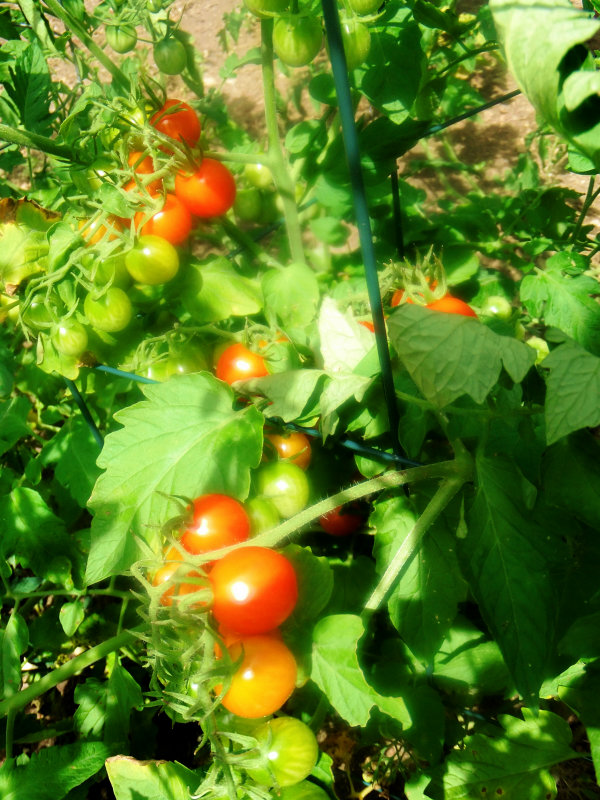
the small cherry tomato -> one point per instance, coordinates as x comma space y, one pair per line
305, 790
237, 363
452, 305
248, 204
297, 39
341, 521
112, 271
254, 590
289, 749
152, 260
179, 362
167, 574
173, 222
70, 338
37, 316
217, 520
364, 7
357, 42
258, 175
179, 121
121, 38
263, 515
95, 231
111, 312
293, 447
497, 306
285, 485
170, 56
141, 163
263, 9
208, 192
265, 678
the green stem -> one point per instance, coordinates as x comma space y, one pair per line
281, 175
72, 25
66, 672
409, 546
248, 243
36, 141
239, 158
590, 196
10, 732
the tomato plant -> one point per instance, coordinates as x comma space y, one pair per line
216, 521
238, 363
289, 749
297, 39
177, 120
255, 590
152, 260
170, 56
293, 446
172, 222
265, 678
110, 312
121, 38
207, 192
285, 484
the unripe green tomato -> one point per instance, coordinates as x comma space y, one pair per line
263, 515
70, 338
36, 316
285, 485
540, 346
297, 39
9, 308
154, 6
121, 38
170, 56
364, 7
111, 312
263, 9
357, 42
258, 175
290, 752
305, 790
152, 260
112, 271
497, 306
248, 204
183, 363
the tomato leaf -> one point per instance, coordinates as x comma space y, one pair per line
290, 309
336, 671
292, 394
192, 442
71, 616
571, 477
448, 355
150, 780
13, 422
223, 292
74, 451
573, 388
344, 343
15, 640
564, 83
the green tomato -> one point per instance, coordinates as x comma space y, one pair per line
258, 175
285, 485
170, 56
303, 791
112, 271
70, 338
248, 204
152, 260
289, 749
540, 346
263, 9
263, 515
121, 38
297, 39
184, 362
357, 43
497, 306
364, 7
111, 312
36, 316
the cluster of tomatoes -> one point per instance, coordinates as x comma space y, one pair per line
298, 35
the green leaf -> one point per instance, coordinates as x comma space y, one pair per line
291, 394
344, 343
306, 136
448, 355
295, 308
565, 301
13, 422
336, 671
216, 291
573, 388
71, 616
563, 86
315, 583
582, 693
514, 764
507, 553
150, 780
425, 599
14, 643
74, 451
184, 439
104, 707
571, 477
52, 772
329, 230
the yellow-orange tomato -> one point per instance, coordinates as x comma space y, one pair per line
294, 447
96, 230
164, 574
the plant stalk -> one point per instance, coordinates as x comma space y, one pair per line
37, 142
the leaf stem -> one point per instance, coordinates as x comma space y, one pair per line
66, 672
37, 142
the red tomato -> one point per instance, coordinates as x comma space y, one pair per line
237, 363
217, 521
208, 192
397, 298
265, 678
180, 123
367, 324
254, 590
140, 163
452, 305
164, 574
173, 222
341, 521
294, 447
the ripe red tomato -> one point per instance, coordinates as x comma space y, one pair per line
265, 678
254, 590
208, 192
294, 447
237, 363
289, 749
216, 521
165, 574
173, 222
179, 121
452, 305
341, 521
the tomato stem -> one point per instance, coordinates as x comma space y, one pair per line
37, 142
